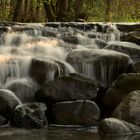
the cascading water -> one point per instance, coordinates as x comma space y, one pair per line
35, 53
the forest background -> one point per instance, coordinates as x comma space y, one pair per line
70, 10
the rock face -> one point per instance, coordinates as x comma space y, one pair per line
103, 65
79, 112
121, 87
8, 102
113, 126
129, 108
31, 115
67, 88
130, 49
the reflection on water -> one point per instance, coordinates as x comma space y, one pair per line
59, 134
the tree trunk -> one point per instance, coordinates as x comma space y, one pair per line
18, 10
49, 11
108, 11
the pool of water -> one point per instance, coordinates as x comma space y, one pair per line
59, 133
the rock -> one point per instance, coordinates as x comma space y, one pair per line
23, 88
121, 87
131, 37
100, 43
129, 108
8, 102
103, 65
29, 115
45, 69
79, 112
113, 126
137, 67
67, 88
128, 27
70, 39
128, 48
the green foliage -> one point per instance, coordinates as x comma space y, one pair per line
72, 10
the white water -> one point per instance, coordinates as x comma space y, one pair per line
22, 44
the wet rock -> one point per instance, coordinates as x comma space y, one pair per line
103, 65
29, 115
8, 102
23, 88
79, 112
128, 48
67, 88
137, 67
121, 87
129, 108
100, 43
70, 39
131, 37
113, 126
128, 27
42, 70
45, 69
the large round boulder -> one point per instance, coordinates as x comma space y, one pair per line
103, 65
128, 48
79, 112
67, 88
29, 115
129, 108
8, 102
113, 126
121, 87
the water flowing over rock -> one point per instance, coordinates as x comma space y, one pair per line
29, 116
23, 88
121, 87
8, 103
129, 108
79, 112
128, 48
47, 68
113, 126
102, 65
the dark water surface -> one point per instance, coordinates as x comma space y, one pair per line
55, 133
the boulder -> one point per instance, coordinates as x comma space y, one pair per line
129, 108
79, 112
113, 126
128, 48
24, 88
128, 27
45, 69
29, 115
131, 37
137, 67
103, 65
67, 88
8, 102
121, 87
